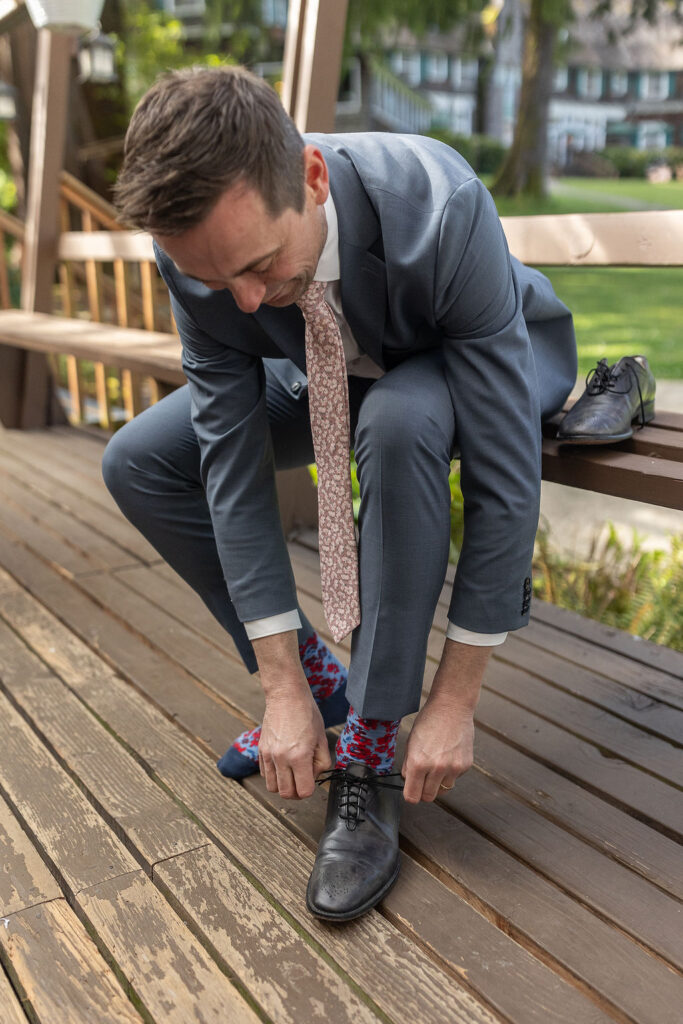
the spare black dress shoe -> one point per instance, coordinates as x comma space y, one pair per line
358, 859
615, 397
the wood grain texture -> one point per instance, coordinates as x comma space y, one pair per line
24, 878
145, 816
65, 979
84, 850
291, 982
11, 1006
169, 969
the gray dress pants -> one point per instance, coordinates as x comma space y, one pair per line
403, 433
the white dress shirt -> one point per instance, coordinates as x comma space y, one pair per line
358, 364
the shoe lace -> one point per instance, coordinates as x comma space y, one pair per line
354, 792
603, 378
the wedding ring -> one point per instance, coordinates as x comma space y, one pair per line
441, 786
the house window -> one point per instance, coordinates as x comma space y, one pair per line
412, 68
654, 85
589, 83
436, 69
560, 79
618, 83
464, 72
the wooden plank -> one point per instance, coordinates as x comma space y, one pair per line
145, 817
539, 915
60, 969
641, 710
148, 281
148, 352
652, 917
578, 811
92, 552
82, 846
652, 238
513, 982
657, 481
166, 965
11, 1006
419, 986
24, 879
635, 648
83, 198
106, 246
290, 981
46, 478
151, 672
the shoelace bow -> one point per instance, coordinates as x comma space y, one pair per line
354, 792
603, 378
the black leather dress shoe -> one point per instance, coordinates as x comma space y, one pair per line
358, 859
615, 397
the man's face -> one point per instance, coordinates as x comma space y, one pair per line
259, 258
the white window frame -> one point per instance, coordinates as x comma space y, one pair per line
589, 83
618, 83
654, 85
561, 79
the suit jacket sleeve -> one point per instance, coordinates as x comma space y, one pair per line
492, 378
228, 400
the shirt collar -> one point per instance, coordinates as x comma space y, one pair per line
328, 268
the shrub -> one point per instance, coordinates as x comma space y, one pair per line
484, 154
631, 162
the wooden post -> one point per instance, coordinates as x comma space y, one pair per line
31, 383
312, 63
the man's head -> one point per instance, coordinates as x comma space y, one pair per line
195, 134
216, 171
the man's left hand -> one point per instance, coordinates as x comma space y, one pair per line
439, 749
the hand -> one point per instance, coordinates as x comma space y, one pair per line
439, 749
293, 747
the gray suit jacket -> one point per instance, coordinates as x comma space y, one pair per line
424, 265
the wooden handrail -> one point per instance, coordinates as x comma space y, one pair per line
106, 246
12, 225
74, 191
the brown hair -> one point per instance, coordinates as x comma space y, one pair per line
195, 134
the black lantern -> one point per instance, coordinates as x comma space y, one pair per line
96, 58
8, 102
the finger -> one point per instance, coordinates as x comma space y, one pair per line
270, 775
322, 761
431, 788
304, 780
285, 782
414, 784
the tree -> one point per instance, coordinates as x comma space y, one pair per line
524, 171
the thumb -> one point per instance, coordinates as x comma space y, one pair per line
321, 757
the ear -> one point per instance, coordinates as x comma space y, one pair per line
316, 175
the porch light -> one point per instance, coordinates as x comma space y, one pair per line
65, 15
96, 58
8, 102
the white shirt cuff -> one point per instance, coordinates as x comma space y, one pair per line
466, 636
272, 624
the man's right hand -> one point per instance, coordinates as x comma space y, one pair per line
293, 747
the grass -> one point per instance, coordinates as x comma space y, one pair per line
625, 311
617, 311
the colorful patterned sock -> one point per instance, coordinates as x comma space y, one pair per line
369, 740
327, 679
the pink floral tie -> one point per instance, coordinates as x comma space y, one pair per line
328, 398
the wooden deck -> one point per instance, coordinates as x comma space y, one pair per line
136, 884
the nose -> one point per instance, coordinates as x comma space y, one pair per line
248, 294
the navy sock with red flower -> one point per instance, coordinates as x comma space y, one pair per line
369, 740
327, 679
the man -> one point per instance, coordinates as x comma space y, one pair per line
279, 252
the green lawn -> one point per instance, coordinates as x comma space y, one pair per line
625, 311
617, 311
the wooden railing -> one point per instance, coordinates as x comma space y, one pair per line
107, 275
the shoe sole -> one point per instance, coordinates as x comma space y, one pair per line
605, 439
349, 915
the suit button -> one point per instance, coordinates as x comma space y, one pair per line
296, 386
